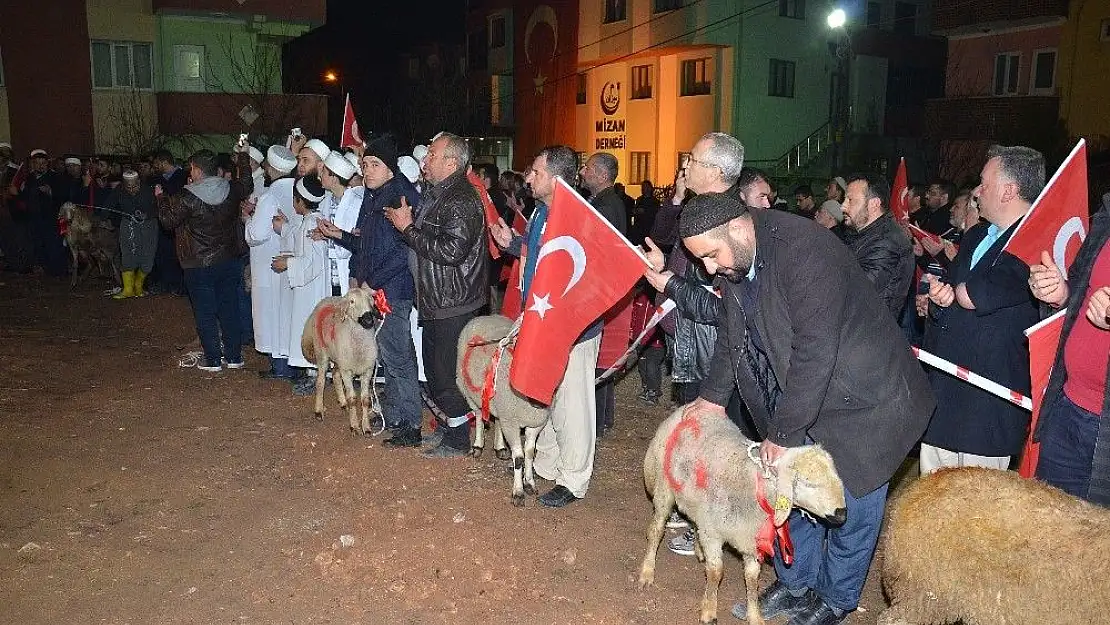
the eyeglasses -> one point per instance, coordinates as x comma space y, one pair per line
702, 163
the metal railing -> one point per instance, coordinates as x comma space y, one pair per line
803, 152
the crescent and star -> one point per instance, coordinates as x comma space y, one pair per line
570, 245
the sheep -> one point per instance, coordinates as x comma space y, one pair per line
93, 241
706, 466
987, 546
341, 330
477, 344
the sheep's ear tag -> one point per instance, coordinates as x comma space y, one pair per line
782, 503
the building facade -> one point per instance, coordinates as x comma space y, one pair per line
125, 75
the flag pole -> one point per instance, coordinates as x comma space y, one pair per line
634, 248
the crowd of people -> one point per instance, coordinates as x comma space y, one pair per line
794, 321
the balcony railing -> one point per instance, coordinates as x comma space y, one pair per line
955, 14
989, 118
182, 113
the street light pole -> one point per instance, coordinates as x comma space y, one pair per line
841, 113
333, 77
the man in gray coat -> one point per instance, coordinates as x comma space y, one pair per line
817, 358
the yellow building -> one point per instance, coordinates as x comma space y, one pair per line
1084, 67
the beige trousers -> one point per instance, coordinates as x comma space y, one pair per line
565, 447
933, 458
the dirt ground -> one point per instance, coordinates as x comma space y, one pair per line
135, 491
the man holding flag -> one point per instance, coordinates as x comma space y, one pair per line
576, 266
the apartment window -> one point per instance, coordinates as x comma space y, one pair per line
662, 6
122, 65
497, 31
641, 82
1006, 69
1043, 79
781, 81
874, 14
695, 77
1104, 31
795, 9
639, 167
905, 18
580, 94
615, 11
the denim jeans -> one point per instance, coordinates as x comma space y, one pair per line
401, 404
213, 293
833, 562
1068, 447
440, 343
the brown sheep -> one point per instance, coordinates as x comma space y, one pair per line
984, 546
514, 412
706, 466
90, 241
341, 330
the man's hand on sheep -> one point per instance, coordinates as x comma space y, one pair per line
1047, 282
1098, 310
702, 407
502, 233
770, 453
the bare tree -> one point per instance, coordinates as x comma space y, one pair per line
130, 125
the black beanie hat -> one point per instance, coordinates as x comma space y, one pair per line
385, 149
706, 211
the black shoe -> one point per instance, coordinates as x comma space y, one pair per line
403, 437
557, 497
818, 613
776, 600
443, 451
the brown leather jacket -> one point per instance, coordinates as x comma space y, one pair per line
208, 233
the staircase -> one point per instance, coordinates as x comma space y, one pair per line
803, 153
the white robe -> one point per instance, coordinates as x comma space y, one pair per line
264, 246
309, 280
345, 216
258, 176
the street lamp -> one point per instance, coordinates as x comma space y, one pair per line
335, 104
839, 105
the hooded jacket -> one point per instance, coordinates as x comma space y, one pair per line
205, 218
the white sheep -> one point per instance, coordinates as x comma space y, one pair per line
513, 411
706, 466
984, 546
341, 330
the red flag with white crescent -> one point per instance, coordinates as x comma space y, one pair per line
583, 267
1043, 341
351, 135
511, 305
899, 192
1057, 221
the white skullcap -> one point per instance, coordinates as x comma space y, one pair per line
352, 158
255, 154
4, 145
409, 167
128, 174
419, 152
72, 161
38, 152
306, 194
340, 166
319, 147
281, 158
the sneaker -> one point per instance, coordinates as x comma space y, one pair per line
433, 439
677, 522
305, 386
210, 368
403, 436
235, 365
777, 600
649, 397
683, 545
443, 451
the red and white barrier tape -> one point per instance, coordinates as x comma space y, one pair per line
990, 386
661, 311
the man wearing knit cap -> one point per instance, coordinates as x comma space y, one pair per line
341, 208
450, 263
817, 358
138, 232
264, 242
380, 262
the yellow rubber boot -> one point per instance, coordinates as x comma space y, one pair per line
140, 280
128, 286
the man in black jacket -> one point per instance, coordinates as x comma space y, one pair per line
817, 359
450, 264
881, 246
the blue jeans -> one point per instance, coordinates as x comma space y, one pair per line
1068, 447
833, 562
280, 366
398, 357
213, 293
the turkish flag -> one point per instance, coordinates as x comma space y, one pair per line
1043, 341
490, 210
511, 305
351, 135
899, 191
583, 267
1057, 221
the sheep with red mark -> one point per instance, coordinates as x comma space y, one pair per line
983, 546
340, 330
478, 347
705, 466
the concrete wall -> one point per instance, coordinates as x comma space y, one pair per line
124, 121
970, 70
1083, 66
